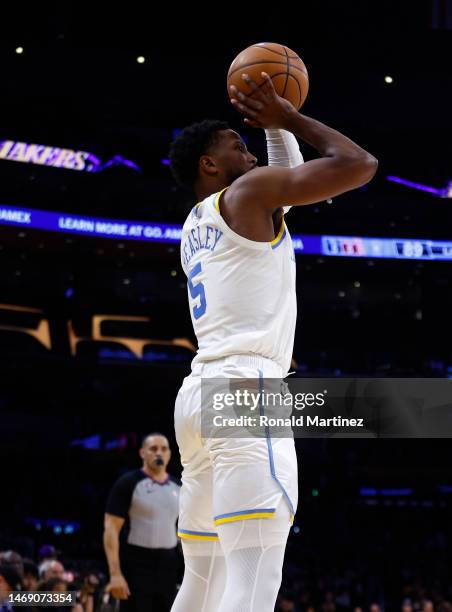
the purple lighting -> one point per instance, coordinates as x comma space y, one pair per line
438, 192
118, 160
94, 161
165, 162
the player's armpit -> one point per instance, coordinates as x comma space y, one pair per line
312, 182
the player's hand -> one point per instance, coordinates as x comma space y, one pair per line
118, 587
265, 109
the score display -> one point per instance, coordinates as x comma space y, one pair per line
388, 248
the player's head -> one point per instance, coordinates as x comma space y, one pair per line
155, 450
209, 155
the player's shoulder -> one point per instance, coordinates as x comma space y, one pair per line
260, 188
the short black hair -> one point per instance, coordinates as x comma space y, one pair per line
151, 435
11, 576
30, 568
192, 142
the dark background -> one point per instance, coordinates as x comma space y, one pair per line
78, 85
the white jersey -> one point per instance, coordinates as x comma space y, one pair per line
241, 292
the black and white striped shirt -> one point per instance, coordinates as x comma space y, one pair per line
152, 508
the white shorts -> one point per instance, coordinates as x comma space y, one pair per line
229, 479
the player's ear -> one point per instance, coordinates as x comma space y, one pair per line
141, 453
207, 165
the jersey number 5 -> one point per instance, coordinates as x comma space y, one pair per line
197, 290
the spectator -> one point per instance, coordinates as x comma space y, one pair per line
51, 569
89, 592
58, 585
31, 575
47, 552
12, 558
9, 582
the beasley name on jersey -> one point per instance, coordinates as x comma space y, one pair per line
199, 238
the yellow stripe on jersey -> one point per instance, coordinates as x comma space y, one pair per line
217, 200
279, 235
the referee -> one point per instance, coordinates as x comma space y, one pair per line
143, 569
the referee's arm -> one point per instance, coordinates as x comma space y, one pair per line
118, 585
116, 512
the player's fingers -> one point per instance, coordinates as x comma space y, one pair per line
244, 109
254, 124
267, 87
257, 92
246, 100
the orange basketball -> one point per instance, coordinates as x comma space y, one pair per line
286, 69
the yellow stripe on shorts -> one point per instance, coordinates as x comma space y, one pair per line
197, 535
244, 515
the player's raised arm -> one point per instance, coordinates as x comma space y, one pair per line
344, 165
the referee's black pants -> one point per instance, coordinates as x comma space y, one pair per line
151, 574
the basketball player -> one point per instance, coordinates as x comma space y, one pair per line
239, 496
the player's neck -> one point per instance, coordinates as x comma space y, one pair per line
204, 189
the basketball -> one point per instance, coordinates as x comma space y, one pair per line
286, 69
